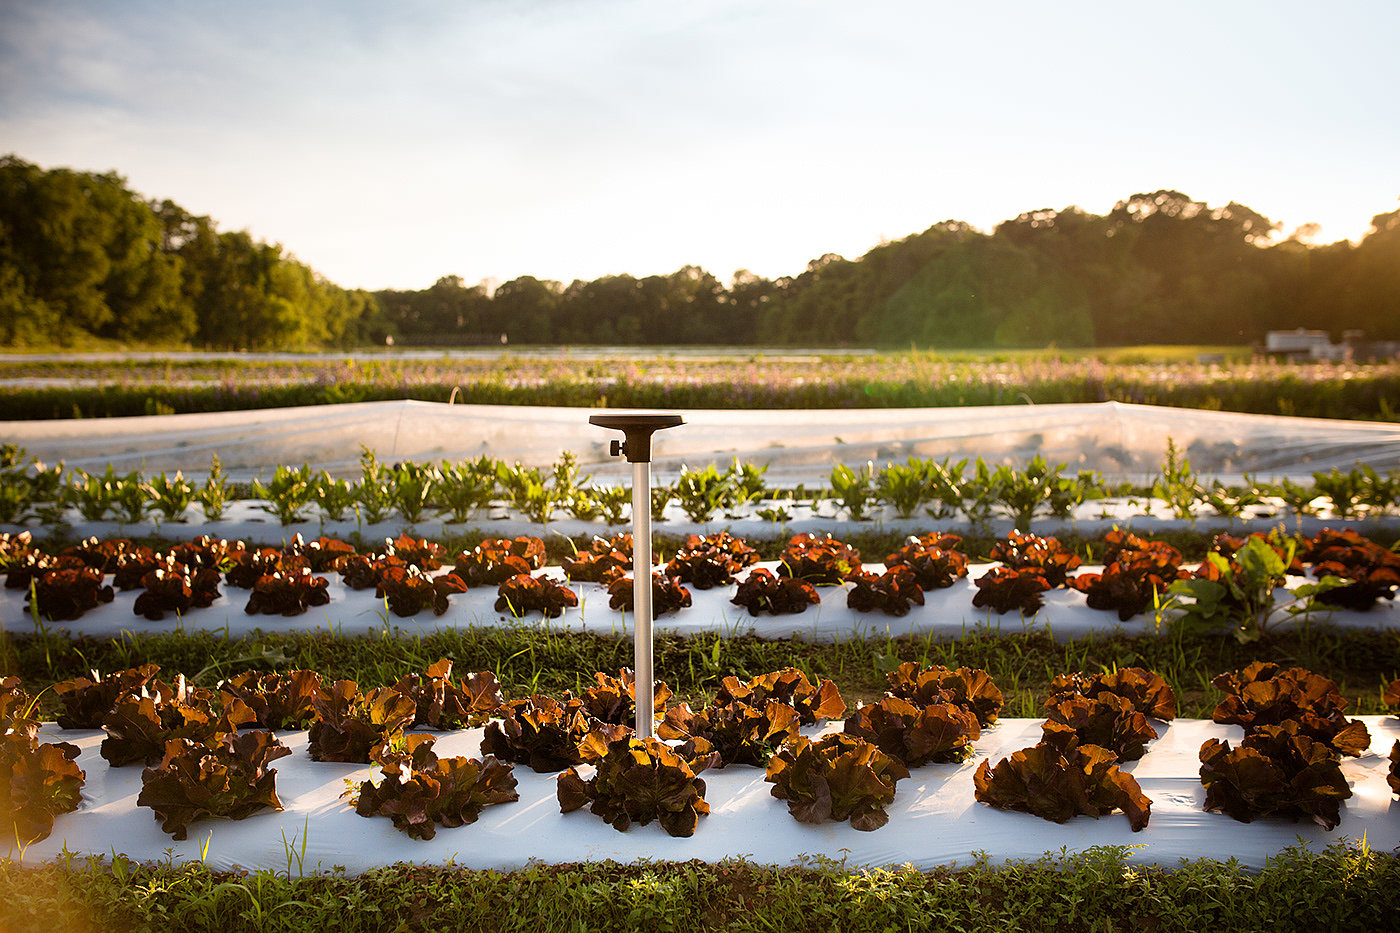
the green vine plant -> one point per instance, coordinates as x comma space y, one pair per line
855, 490
1231, 501
96, 495
1379, 494
1023, 492
977, 494
1343, 490
372, 491
945, 488
170, 497
1299, 499
1243, 593
702, 493
747, 484
611, 501
1177, 485
48, 493
413, 486
466, 487
214, 495
287, 494
905, 487
661, 496
130, 500
335, 496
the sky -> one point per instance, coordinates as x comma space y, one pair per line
388, 145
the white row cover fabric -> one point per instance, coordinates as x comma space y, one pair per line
934, 818
946, 613
1120, 440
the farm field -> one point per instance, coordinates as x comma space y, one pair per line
1023, 650
1208, 378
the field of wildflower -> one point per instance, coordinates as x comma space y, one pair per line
48, 388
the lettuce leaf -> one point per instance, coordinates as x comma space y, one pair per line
1058, 778
970, 688
1147, 691
278, 701
420, 791
225, 776
916, 735
841, 777
637, 781
522, 594
894, 592
350, 724
738, 732
88, 700
1275, 771
761, 591
790, 686
543, 732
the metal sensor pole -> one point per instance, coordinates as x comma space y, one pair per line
638, 428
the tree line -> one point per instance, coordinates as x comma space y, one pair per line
81, 254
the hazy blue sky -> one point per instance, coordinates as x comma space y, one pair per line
389, 144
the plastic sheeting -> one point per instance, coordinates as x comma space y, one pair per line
1122, 441
934, 819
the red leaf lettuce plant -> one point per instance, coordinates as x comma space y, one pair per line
37, 781
839, 778
970, 688
278, 701
289, 593
711, 561
1057, 778
761, 591
1275, 771
543, 732
420, 791
637, 781
523, 593
893, 592
1005, 589
820, 560
916, 735
933, 558
225, 775
667, 594
408, 590
442, 704
1027, 551
1265, 693
350, 724
496, 560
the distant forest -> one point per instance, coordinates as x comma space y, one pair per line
82, 257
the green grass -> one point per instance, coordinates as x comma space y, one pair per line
528, 660
1344, 888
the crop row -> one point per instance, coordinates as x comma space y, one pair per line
878, 381
207, 751
971, 489
1236, 587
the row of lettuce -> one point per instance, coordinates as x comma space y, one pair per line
207, 751
972, 490
1247, 584
1236, 586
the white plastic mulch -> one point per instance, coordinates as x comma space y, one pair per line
934, 819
